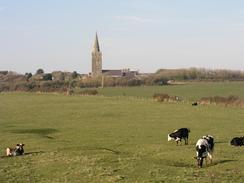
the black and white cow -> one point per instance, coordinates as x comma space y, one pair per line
204, 149
177, 135
237, 141
17, 151
194, 104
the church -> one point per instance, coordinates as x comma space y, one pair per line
97, 69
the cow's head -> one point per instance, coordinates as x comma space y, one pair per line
236, 141
19, 148
170, 138
19, 145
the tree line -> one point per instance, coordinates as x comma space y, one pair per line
64, 81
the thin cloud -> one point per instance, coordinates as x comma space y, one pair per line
135, 19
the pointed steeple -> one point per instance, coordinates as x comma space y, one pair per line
96, 46
96, 58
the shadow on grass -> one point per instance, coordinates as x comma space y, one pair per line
178, 164
34, 153
221, 142
43, 132
108, 149
26, 154
90, 148
7, 126
186, 165
2, 157
221, 162
48, 137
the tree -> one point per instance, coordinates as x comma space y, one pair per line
47, 77
74, 75
40, 71
28, 75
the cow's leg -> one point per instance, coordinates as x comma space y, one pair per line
177, 140
206, 161
210, 157
200, 163
186, 140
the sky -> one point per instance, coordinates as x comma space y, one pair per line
144, 35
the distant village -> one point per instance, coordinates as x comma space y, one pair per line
96, 70
98, 77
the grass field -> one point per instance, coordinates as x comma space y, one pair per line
189, 91
118, 139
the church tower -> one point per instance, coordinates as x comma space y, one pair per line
96, 58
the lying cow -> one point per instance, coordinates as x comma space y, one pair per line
17, 151
237, 141
179, 134
204, 149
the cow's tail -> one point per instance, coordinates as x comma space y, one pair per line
188, 130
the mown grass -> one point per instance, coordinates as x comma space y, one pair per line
114, 139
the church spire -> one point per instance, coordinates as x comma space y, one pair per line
96, 58
96, 46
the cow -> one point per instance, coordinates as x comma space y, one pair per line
204, 149
177, 135
194, 104
237, 141
17, 151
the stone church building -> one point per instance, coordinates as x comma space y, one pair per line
97, 64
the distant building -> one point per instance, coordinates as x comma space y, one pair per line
3, 72
120, 73
97, 65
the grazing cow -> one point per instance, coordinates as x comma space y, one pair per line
204, 149
17, 151
194, 104
237, 141
179, 134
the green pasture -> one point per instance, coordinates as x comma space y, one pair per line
189, 91
118, 139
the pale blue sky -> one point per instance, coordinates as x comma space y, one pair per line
138, 34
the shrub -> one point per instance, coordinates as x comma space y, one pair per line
74, 75
28, 76
4, 87
40, 71
226, 101
25, 86
162, 97
47, 77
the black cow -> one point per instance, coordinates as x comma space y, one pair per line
179, 134
237, 141
204, 149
